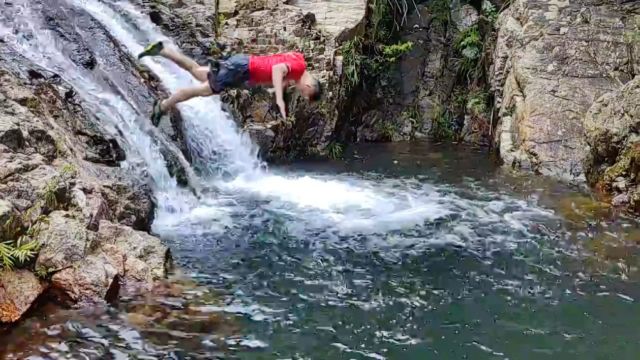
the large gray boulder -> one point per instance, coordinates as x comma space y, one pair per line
64, 240
138, 255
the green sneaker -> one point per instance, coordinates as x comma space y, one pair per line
156, 113
152, 50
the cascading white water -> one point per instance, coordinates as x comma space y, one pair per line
26, 34
213, 137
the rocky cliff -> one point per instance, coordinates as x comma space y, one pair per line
74, 224
61, 188
553, 60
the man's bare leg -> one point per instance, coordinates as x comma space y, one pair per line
158, 49
197, 71
185, 94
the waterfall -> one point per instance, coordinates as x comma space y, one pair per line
225, 157
213, 137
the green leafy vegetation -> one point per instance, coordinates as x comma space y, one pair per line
633, 36
68, 170
335, 150
49, 193
469, 44
32, 103
412, 113
18, 252
387, 129
370, 55
441, 12
219, 22
18, 232
61, 149
51, 189
489, 11
357, 65
352, 62
477, 103
43, 272
393, 52
443, 124
382, 22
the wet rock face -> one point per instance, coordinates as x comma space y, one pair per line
46, 185
552, 61
102, 150
420, 87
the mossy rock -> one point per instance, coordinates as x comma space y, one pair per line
626, 166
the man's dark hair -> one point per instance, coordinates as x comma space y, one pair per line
317, 93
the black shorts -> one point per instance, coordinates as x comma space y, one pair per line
232, 73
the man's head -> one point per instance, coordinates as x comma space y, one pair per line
309, 87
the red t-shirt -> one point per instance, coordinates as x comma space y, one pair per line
260, 66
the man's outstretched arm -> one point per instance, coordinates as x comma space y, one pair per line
279, 72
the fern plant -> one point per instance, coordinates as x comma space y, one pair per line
352, 62
335, 150
18, 233
18, 253
469, 45
6, 255
50, 197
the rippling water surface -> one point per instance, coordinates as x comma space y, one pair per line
506, 266
405, 251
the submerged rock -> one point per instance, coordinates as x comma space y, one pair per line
18, 290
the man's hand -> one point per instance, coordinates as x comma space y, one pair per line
278, 74
283, 108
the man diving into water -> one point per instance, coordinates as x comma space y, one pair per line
237, 71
